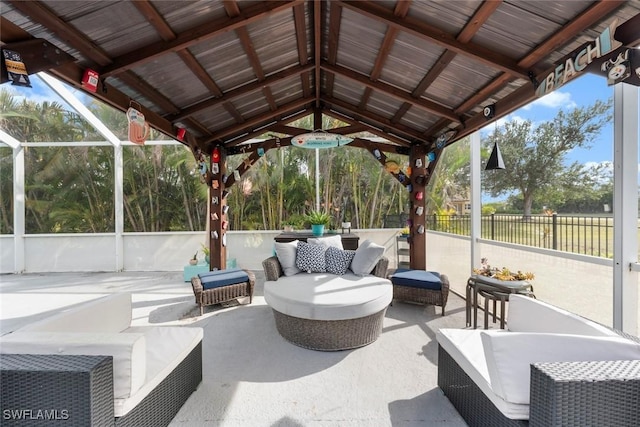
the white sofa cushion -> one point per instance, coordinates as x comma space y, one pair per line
324, 296
128, 351
465, 347
510, 354
111, 313
334, 241
286, 253
367, 256
532, 315
167, 347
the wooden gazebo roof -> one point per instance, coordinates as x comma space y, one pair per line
418, 73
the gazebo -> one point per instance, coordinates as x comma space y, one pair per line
420, 74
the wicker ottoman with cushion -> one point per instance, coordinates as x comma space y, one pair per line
216, 287
419, 286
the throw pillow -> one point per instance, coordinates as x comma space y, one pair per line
310, 258
367, 256
338, 260
330, 242
286, 253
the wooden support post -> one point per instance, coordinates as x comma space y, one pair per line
417, 241
218, 218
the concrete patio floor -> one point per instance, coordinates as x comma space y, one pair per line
251, 375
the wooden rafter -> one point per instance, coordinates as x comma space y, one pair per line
355, 120
317, 46
335, 16
301, 44
379, 12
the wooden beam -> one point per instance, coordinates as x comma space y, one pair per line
370, 128
317, 45
424, 31
250, 87
259, 119
335, 18
41, 14
195, 35
393, 91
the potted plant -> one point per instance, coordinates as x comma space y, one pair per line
194, 260
206, 252
318, 221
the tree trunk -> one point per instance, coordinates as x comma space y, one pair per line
528, 202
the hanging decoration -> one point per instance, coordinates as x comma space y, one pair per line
495, 161
320, 139
431, 156
392, 166
138, 126
182, 132
90, 80
215, 155
16, 70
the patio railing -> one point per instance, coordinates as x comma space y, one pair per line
587, 235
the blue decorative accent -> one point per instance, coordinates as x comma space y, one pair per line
218, 278
417, 279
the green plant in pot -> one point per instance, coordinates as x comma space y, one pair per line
194, 260
318, 221
205, 251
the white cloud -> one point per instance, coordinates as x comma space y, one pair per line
556, 99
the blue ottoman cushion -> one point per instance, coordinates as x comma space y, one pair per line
417, 279
219, 278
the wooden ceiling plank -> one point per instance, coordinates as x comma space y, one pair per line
402, 129
586, 19
260, 118
41, 14
198, 70
239, 91
583, 21
369, 128
335, 18
301, 33
154, 17
401, 9
379, 12
195, 35
255, 133
317, 45
146, 90
266, 91
388, 89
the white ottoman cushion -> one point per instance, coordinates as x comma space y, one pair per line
323, 296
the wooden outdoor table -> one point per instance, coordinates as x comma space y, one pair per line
349, 240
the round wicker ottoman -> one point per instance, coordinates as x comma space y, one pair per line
327, 312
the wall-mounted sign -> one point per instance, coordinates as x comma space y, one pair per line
320, 140
603, 55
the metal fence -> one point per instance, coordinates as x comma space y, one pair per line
587, 235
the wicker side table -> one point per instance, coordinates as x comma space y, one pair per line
584, 394
56, 390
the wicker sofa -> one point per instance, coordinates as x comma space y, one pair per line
323, 310
88, 366
549, 368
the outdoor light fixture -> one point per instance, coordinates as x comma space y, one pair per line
495, 159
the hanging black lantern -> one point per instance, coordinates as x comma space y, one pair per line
495, 159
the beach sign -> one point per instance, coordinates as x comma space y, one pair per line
320, 140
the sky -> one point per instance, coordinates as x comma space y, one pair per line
581, 92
